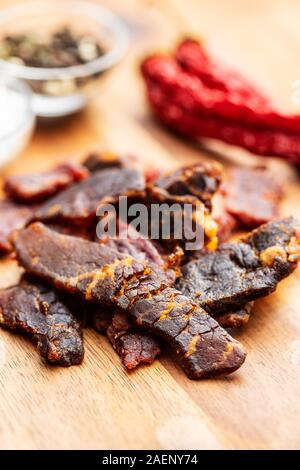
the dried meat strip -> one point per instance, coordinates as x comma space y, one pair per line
201, 180
237, 273
103, 275
102, 161
192, 186
236, 319
252, 196
134, 347
36, 309
36, 187
225, 222
13, 217
107, 160
79, 203
130, 242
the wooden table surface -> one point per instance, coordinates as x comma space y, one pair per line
99, 405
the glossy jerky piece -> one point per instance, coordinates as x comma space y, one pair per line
36, 187
74, 230
252, 196
236, 319
37, 310
105, 160
103, 275
73, 264
203, 347
201, 180
100, 317
141, 249
237, 273
79, 203
13, 217
225, 222
134, 347
199, 227
131, 242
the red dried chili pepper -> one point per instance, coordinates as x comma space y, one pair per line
192, 56
186, 104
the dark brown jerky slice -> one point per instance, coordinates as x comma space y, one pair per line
252, 196
37, 310
237, 273
134, 347
225, 222
79, 203
129, 241
204, 348
105, 276
188, 188
81, 231
13, 217
236, 319
200, 180
36, 187
105, 160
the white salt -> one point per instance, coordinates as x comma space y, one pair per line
16, 118
13, 107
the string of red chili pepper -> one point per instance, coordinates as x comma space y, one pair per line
259, 141
190, 93
192, 56
188, 105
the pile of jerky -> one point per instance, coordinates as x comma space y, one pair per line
137, 291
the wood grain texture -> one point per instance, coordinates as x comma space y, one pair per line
99, 405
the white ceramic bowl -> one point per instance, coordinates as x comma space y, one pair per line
14, 140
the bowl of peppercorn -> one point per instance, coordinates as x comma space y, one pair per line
60, 48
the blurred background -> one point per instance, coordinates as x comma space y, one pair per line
260, 38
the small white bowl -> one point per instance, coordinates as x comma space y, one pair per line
15, 140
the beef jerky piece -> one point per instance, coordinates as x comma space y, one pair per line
226, 226
236, 319
225, 222
134, 347
203, 347
13, 217
36, 187
140, 248
105, 160
129, 241
103, 275
192, 186
200, 180
79, 203
100, 317
74, 230
252, 196
184, 221
37, 310
237, 273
